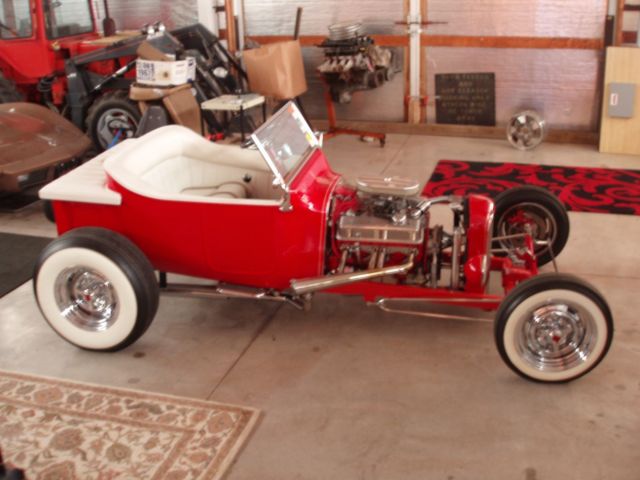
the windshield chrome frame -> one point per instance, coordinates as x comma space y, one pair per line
285, 182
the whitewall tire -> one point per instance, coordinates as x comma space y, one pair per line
96, 289
553, 328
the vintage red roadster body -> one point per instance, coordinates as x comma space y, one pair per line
278, 224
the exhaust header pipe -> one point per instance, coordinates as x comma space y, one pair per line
309, 285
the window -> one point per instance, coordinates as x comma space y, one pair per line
15, 19
64, 18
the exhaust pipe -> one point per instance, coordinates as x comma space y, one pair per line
309, 285
222, 290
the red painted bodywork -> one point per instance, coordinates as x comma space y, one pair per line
264, 246
476, 268
242, 244
371, 291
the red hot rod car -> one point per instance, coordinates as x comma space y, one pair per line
278, 224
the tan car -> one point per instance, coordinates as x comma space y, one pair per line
35, 143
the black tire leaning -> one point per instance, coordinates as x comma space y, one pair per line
574, 298
535, 202
121, 263
115, 100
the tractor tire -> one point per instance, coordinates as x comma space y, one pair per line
111, 119
8, 91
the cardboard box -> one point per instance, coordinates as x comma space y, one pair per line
146, 51
163, 74
276, 70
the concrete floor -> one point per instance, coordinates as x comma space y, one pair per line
349, 392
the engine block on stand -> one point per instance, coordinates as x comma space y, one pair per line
353, 62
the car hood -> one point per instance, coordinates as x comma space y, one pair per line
34, 137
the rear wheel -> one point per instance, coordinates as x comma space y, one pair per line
533, 209
111, 119
8, 91
96, 289
553, 328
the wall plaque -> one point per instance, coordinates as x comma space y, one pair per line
466, 98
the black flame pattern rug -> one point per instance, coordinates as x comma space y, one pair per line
598, 190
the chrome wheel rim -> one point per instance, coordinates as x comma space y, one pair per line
111, 122
535, 218
526, 130
86, 298
557, 336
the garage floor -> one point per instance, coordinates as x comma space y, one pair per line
349, 392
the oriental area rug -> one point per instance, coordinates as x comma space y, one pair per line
60, 430
581, 189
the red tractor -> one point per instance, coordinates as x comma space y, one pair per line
52, 53
37, 38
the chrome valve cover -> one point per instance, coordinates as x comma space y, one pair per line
370, 229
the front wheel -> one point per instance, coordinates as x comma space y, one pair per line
535, 210
553, 328
96, 289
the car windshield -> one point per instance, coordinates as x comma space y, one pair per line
15, 19
64, 18
284, 141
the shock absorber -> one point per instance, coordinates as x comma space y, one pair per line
44, 88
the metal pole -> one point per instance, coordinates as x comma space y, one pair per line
415, 29
296, 30
414, 25
239, 11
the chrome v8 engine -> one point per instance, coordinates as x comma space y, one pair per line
383, 217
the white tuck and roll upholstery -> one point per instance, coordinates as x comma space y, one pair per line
171, 163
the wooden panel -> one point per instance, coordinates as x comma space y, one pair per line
471, 131
313, 40
620, 135
457, 41
512, 42
230, 21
